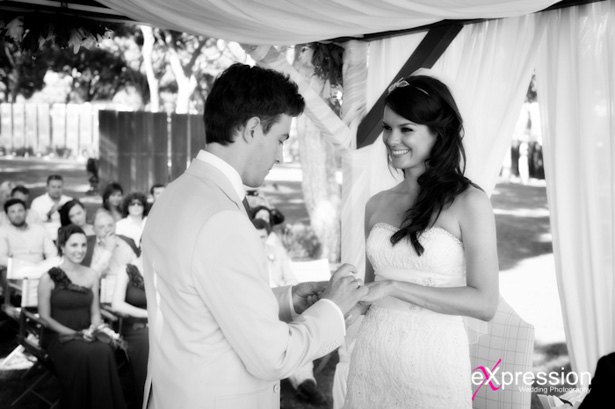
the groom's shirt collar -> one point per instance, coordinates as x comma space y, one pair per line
231, 174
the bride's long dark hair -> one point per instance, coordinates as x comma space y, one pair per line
427, 101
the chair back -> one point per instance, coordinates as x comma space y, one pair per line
22, 277
29, 293
20, 269
511, 340
312, 270
107, 285
30, 330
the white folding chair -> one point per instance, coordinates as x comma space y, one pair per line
107, 285
22, 278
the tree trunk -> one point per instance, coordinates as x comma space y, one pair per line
186, 80
185, 89
152, 81
318, 162
185, 84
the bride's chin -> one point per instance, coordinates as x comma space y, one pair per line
399, 163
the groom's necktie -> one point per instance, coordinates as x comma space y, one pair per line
247, 206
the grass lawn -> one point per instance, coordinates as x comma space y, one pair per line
524, 249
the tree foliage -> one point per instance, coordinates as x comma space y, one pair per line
20, 74
178, 68
95, 74
191, 64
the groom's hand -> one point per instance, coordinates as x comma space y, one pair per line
345, 289
306, 294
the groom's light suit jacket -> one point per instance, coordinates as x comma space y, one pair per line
220, 337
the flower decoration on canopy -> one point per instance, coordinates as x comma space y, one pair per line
328, 60
32, 31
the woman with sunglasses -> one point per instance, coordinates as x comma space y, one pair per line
135, 211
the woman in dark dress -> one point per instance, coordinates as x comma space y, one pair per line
129, 300
69, 308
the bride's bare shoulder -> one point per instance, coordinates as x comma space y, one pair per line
377, 204
379, 199
472, 197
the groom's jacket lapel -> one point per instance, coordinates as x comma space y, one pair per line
210, 174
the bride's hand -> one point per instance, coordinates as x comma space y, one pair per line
377, 291
355, 312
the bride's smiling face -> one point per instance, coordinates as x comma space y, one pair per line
408, 144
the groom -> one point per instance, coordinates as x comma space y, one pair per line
219, 336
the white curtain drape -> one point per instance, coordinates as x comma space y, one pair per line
488, 67
575, 78
365, 170
299, 21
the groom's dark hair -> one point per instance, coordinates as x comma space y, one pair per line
242, 92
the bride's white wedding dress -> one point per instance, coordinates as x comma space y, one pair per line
406, 356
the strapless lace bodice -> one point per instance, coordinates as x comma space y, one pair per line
406, 356
442, 264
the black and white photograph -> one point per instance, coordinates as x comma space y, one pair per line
333, 204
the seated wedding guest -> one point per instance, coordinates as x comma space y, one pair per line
69, 307
5, 191
106, 252
75, 212
112, 199
156, 190
91, 167
271, 216
129, 300
48, 204
23, 193
135, 211
281, 274
21, 240
280, 270
261, 205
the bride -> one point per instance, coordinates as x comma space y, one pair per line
431, 260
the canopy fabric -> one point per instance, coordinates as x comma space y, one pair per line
298, 21
575, 77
